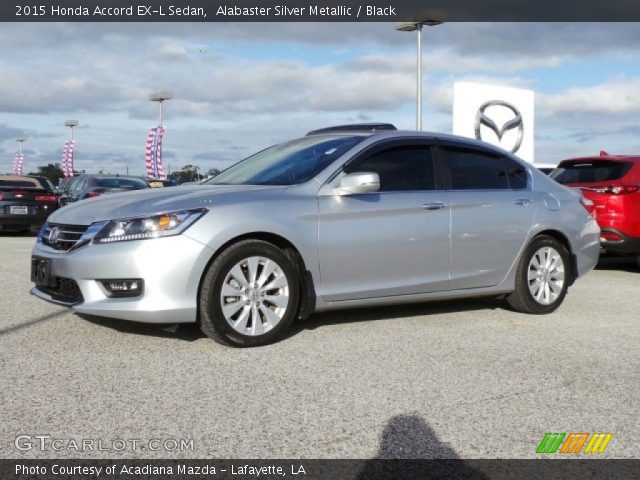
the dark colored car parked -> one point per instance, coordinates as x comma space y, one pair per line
612, 183
25, 202
90, 186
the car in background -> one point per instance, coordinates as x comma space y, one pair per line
25, 202
545, 168
612, 183
157, 183
331, 220
91, 186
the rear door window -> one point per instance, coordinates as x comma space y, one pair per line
516, 174
590, 171
475, 170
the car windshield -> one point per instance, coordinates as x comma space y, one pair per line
118, 182
288, 163
590, 171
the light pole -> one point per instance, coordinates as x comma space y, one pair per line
430, 19
160, 97
71, 124
20, 141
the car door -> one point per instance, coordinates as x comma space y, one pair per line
492, 210
391, 242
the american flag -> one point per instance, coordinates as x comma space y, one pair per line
67, 159
18, 163
153, 153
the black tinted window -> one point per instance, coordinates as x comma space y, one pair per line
472, 170
516, 174
590, 171
400, 168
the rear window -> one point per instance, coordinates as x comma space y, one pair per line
22, 183
590, 171
120, 183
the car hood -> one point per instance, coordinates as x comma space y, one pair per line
151, 201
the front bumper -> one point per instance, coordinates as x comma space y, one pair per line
171, 268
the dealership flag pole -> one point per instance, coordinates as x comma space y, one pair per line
67, 151
431, 19
153, 152
18, 160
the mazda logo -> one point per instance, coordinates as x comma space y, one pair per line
515, 122
54, 233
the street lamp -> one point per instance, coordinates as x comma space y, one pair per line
160, 97
20, 141
430, 19
71, 124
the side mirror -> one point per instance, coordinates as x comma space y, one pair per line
359, 182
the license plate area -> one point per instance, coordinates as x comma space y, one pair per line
18, 210
41, 272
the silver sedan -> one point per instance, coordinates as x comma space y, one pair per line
344, 217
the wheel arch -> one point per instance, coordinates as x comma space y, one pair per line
307, 287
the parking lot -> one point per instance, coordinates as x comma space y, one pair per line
447, 379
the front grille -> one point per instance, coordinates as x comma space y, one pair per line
67, 237
65, 290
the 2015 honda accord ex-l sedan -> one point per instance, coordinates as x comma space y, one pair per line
339, 218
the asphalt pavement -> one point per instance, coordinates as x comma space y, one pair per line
452, 379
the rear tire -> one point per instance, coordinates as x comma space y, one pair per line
542, 277
250, 295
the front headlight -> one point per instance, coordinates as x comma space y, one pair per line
142, 228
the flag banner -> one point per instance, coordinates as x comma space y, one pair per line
66, 163
63, 160
18, 163
153, 153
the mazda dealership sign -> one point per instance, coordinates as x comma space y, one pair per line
502, 116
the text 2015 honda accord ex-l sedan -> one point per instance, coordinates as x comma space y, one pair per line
331, 220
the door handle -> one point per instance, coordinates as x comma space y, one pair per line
523, 202
433, 206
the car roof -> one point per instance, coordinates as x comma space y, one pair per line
612, 158
106, 175
413, 134
37, 183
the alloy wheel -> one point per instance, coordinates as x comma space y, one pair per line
254, 295
546, 275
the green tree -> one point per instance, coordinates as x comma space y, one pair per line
213, 172
188, 173
52, 171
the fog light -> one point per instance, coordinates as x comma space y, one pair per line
129, 287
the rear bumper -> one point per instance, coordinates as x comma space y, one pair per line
626, 245
17, 222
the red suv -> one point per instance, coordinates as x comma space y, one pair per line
612, 183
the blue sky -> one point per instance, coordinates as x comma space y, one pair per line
241, 87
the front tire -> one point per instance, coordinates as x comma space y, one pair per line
250, 295
542, 277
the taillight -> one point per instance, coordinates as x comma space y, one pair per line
619, 189
93, 194
1, 197
46, 198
